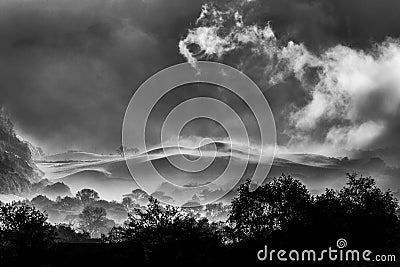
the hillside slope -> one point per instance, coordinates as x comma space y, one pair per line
17, 170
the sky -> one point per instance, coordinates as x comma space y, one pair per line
329, 69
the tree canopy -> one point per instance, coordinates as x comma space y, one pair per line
87, 196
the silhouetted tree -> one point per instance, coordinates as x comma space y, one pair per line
57, 189
360, 212
24, 232
94, 221
166, 233
68, 203
283, 214
41, 202
273, 206
87, 196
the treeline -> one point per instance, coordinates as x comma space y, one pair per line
281, 214
86, 212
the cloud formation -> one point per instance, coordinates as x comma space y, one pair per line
351, 95
328, 68
68, 68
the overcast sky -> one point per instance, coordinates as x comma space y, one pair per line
329, 69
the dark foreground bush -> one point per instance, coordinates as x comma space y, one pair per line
281, 214
284, 215
24, 234
167, 234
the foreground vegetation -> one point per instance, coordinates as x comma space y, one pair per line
281, 214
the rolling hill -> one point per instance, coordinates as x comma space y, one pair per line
110, 176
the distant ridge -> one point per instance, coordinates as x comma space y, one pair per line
76, 156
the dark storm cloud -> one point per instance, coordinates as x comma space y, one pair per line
200, 126
328, 68
69, 68
323, 23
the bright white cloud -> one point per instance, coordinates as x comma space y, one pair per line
211, 43
354, 93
